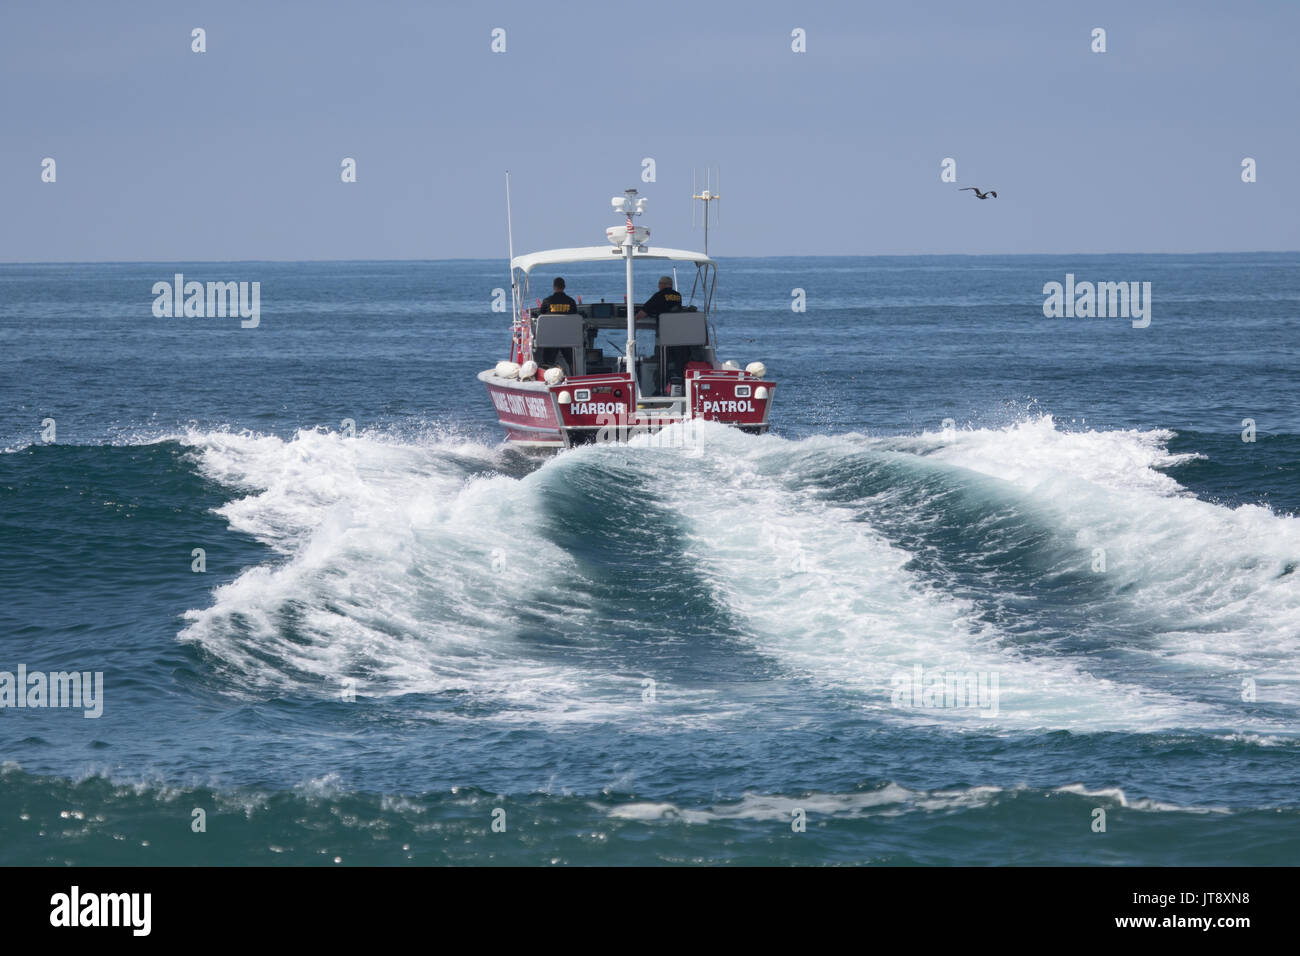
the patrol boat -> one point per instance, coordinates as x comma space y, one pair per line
561, 388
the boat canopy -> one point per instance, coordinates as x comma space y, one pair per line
606, 253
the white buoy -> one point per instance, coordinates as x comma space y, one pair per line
756, 369
731, 365
527, 371
507, 369
553, 376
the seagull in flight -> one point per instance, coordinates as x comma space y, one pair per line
978, 194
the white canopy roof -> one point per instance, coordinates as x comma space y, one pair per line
605, 253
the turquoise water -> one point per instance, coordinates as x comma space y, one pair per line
634, 655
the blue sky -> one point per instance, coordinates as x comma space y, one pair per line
169, 155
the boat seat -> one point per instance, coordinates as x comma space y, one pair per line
559, 330
682, 329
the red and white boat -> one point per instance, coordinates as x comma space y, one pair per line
560, 388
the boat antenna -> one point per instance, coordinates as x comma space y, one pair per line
709, 196
629, 205
510, 263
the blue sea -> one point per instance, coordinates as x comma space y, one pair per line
403, 643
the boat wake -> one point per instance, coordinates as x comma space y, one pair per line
1066, 566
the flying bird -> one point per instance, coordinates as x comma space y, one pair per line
978, 194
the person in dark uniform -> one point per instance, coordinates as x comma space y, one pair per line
557, 303
667, 299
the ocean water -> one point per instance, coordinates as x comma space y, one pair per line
654, 654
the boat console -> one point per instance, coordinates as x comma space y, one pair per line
666, 344
603, 310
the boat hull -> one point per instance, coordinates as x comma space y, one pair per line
589, 409
527, 411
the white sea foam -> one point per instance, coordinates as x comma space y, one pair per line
386, 551
820, 591
891, 800
1209, 583
397, 572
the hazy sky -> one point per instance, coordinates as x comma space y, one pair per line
170, 155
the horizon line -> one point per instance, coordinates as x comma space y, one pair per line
876, 255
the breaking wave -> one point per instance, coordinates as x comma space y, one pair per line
442, 566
